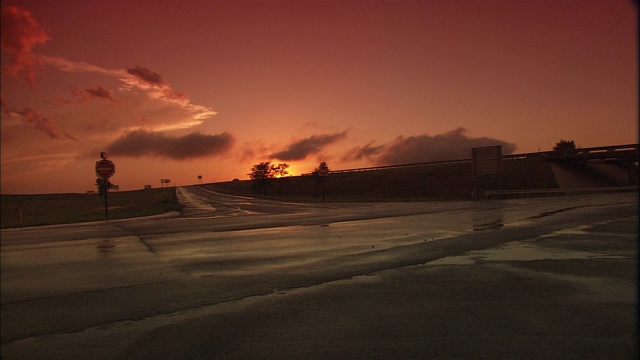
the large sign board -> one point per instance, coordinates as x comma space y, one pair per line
487, 160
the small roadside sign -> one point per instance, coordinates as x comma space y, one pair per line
323, 170
105, 168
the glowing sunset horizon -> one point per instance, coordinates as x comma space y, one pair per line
178, 90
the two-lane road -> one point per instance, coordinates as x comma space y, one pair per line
238, 277
201, 202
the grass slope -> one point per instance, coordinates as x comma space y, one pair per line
424, 182
71, 208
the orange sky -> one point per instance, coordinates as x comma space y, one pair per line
177, 89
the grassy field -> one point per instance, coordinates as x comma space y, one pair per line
71, 208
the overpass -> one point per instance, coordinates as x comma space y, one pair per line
617, 154
621, 156
610, 154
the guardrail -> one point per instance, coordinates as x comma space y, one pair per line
385, 167
593, 152
502, 194
600, 152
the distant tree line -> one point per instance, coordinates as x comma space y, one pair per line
262, 173
265, 172
100, 182
564, 145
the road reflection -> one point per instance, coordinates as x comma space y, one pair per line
87, 280
106, 247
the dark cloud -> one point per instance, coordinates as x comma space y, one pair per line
300, 149
43, 124
143, 77
251, 150
366, 151
452, 145
147, 75
85, 95
5, 106
20, 33
99, 92
194, 145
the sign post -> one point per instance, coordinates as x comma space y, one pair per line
21, 205
486, 161
323, 171
105, 169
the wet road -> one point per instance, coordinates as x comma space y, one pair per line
238, 277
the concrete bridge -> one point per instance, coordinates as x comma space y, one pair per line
622, 156
608, 154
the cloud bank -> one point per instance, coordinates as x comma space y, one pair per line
301, 149
43, 124
86, 95
139, 79
20, 33
142, 89
367, 151
100, 93
5, 106
452, 145
139, 104
194, 145
147, 75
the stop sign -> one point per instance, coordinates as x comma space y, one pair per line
105, 168
323, 170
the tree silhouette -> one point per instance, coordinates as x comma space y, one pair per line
280, 172
263, 172
260, 174
100, 184
319, 179
564, 145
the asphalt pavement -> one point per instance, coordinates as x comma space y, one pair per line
244, 278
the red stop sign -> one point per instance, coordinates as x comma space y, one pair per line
323, 170
105, 168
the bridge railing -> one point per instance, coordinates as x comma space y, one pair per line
502, 194
596, 152
385, 167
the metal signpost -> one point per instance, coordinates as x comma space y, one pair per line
105, 169
486, 161
323, 171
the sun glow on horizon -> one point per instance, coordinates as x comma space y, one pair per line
295, 95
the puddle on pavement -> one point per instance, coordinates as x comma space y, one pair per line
488, 219
492, 225
554, 212
106, 247
519, 251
